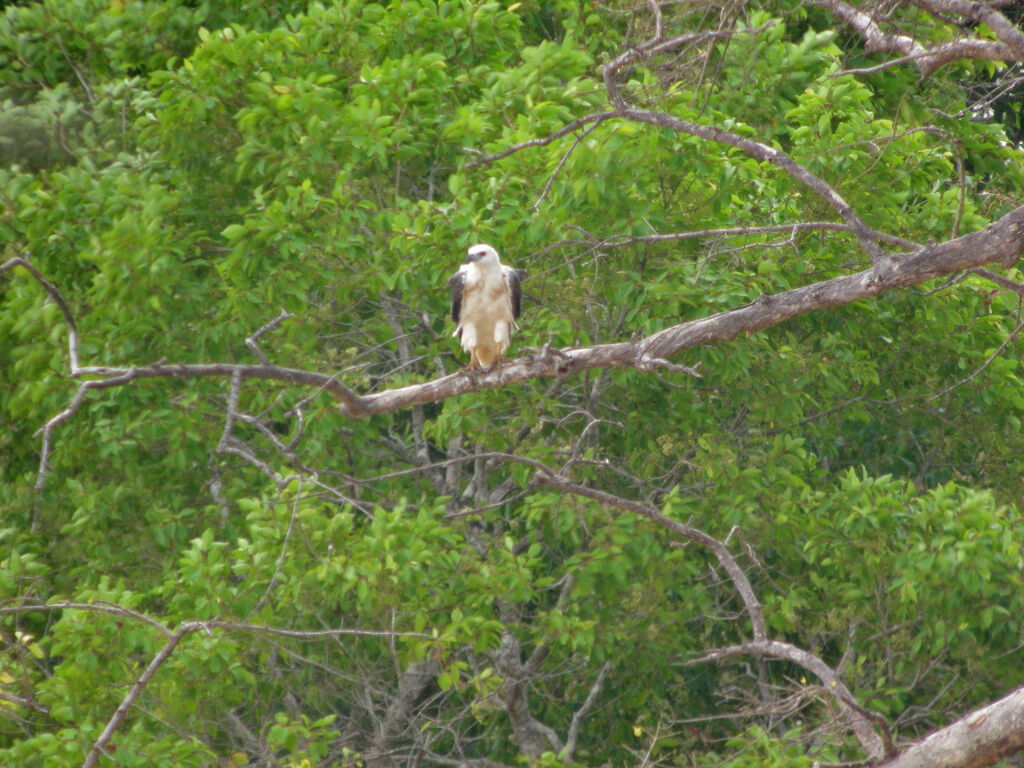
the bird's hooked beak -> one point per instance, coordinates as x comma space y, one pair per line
471, 257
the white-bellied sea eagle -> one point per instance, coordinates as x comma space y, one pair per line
486, 299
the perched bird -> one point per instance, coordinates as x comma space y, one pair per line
486, 298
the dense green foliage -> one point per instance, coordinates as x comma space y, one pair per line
182, 172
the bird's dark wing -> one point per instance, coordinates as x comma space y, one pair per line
456, 283
513, 277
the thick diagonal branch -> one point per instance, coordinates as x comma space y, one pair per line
983, 737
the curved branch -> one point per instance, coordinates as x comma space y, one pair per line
866, 236
860, 719
927, 60
65, 310
577, 717
1004, 29
718, 549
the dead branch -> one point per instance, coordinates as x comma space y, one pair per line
1004, 29
577, 717
617, 241
541, 142
112, 609
977, 371
859, 717
250, 342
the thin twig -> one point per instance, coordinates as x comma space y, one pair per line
284, 549
250, 341
122, 711
597, 117
861, 719
999, 280
983, 366
561, 163
962, 178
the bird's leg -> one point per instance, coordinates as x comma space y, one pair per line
472, 368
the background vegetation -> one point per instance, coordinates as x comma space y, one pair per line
398, 589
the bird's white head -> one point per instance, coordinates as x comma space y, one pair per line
483, 256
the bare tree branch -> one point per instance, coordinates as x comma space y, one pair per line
100, 606
617, 241
862, 717
980, 738
999, 280
577, 717
1004, 29
172, 639
866, 236
998, 351
23, 702
122, 711
542, 142
65, 310
561, 163
24, 606
284, 550
250, 342
927, 60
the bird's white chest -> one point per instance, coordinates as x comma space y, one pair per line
485, 293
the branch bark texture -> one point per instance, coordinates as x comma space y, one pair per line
980, 738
